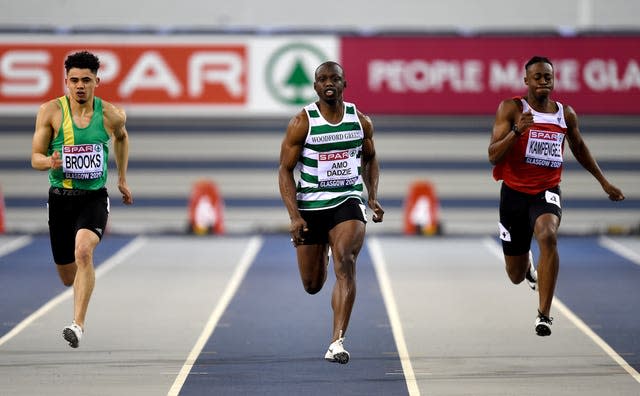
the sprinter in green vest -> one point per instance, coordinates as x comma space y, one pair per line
331, 144
71, 142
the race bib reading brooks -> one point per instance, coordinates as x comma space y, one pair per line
82, 161
544, 148
338, 168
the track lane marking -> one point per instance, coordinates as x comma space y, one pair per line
236, 279
379, 264
105, 267
619, 249
14, 245
494, 248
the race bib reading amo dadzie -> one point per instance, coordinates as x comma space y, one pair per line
338, 168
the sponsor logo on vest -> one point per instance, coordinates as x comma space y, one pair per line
341, 155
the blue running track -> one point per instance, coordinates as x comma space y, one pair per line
28, 277
274, 333
272, 336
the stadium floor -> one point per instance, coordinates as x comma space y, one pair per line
227, 315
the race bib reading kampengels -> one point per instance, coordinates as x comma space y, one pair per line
82, 161
337, 168
544, 148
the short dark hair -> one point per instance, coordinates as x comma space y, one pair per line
537, 59
82, 60
328, 63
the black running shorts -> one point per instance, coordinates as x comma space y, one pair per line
518, 214
320, 222
70, 211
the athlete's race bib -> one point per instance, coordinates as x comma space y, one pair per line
552, 198
544, 148
338, 168
82, 161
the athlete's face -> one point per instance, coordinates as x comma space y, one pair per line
81, 84
330, 82
539, 79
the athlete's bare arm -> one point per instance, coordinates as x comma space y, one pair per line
370, 168
47, 125
114, 122
290, 151
583, 155
502, 137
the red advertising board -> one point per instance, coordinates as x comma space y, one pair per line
471, 75
145, 74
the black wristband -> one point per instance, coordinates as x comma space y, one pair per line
514, 128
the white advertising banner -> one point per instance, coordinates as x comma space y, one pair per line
189, 75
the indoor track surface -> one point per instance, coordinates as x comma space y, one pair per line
227, 315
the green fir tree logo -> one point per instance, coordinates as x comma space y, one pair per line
298, 80
289, 72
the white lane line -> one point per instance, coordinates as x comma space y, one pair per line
108, 265
236, 279
493, 247
597, 340
14, 245
619, 249
379, 264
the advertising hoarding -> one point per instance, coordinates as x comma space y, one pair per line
471, 75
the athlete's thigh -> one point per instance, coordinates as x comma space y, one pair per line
62, 229
346, 240
86, 241
547, 202
515, 228
348, 224
94, 213
312, 261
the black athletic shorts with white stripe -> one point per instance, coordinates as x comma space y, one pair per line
518, 214
320, 222
72, 210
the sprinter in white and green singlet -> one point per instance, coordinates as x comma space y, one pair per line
331, 144
71, 142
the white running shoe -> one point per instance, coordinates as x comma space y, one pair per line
72, 334
336, 352
532, 275
543, 325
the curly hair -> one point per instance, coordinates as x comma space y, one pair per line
82, 60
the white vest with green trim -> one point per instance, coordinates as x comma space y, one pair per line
330, 164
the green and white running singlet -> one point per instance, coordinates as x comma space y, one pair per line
84, 151
330, 165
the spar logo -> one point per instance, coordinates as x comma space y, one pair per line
81, 149
290, 73
342, 155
